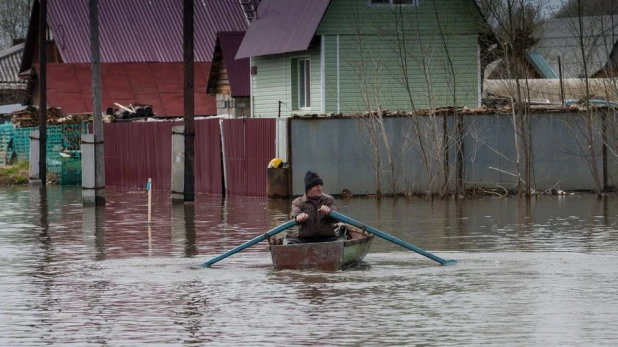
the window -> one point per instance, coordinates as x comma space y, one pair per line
414, 3
304, 83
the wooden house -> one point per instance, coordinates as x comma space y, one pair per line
229, 77
12, 89
349, 56
141, 53
564, 40
569, 51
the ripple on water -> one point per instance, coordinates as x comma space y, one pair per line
526, 275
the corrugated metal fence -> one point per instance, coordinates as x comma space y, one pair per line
249, 146
208, 169
135, 152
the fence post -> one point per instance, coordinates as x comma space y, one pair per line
88, 170
178, 162
34, 158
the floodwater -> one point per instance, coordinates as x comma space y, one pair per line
537, 273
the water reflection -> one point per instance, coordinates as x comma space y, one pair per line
536, 269
178, 227
278, 210
93, 226
190, 235
43, 274
190, 315
606, 211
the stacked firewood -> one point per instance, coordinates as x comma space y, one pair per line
29, 117
130, 112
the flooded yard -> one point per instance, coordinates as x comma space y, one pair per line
537, 272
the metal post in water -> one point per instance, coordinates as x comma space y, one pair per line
99, 153
43, 91
149, 189
189, 101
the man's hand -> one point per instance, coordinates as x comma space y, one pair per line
325, 209
301, 217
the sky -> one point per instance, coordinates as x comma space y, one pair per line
552, 6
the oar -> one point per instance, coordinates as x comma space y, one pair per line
252, 242
338, 216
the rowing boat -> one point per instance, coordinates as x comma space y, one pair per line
323, 256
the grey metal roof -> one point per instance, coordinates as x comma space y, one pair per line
10, 59
282, 26
141, 30
560, 38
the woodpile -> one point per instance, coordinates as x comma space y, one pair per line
29, 117
129, 113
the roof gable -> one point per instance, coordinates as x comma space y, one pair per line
282, 26
237, 69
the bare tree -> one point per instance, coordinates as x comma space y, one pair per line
595, 36
428, 132
367, 67
14, 18
516, 24
587, 8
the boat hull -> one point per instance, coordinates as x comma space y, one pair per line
323, 256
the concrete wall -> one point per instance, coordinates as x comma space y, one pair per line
340, 151
236, 107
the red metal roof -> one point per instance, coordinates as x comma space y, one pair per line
156, 84
237, 69
140, 30
282, 26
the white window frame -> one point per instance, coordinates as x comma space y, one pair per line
306, 87
413, 3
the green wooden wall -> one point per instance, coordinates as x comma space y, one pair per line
353, 17
273, 83
380, 56
369, 73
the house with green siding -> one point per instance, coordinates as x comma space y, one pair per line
351, 56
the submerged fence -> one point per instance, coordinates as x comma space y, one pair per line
62, 149
233, 163
341, 152
231, 155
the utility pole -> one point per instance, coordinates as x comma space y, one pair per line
99, 154
43, 91
189, 102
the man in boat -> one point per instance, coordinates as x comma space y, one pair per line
311, 213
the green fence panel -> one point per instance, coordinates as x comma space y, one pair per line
62, 149
71, 171
7, 132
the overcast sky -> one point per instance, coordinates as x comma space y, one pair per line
553, 6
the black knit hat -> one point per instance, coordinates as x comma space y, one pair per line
312, 179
